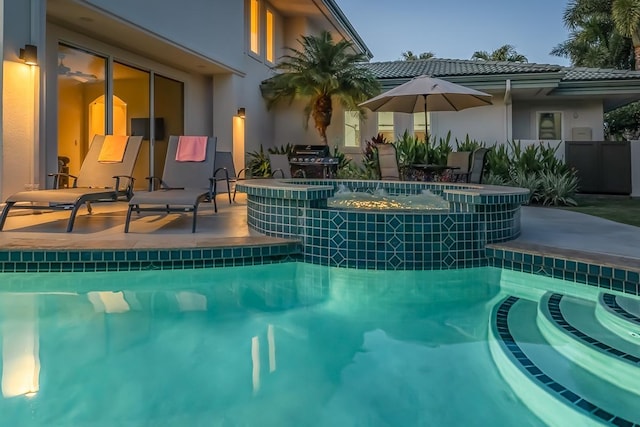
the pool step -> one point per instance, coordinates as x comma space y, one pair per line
570, 324
556, 388
621, 315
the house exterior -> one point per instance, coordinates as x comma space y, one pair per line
531, 102
138, 67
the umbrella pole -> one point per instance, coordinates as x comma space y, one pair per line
426, 127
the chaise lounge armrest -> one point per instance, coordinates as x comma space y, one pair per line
58, 175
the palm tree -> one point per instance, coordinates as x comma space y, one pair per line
504, 53
594, 40
322, 71
626, 16
410, 56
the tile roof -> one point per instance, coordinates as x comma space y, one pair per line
438, 67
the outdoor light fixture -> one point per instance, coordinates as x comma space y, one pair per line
29, 54
241, 112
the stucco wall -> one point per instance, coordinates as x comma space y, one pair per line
213, 28
576, 114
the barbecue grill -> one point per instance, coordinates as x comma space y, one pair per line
312, 161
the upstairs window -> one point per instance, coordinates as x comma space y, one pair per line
269, 38
254, 27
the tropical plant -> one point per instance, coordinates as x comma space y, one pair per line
623, 122
411, 150
558, 189
322, 71
499, 163
410, 56
626, 17
258, 164
468, 144
505, 52
594, 39
439, 150
530, 181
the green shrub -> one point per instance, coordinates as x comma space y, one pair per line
558, 189
499, 162
258, 164
439, 151
530, 181
468, 144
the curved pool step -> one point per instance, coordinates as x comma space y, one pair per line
557, 390
621, 315
569, 324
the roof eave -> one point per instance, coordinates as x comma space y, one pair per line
337, 13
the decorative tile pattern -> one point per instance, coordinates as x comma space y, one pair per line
610, 301
556, 314
501, 325
386, 239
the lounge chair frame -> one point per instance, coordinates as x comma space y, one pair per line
96, 182
179, 188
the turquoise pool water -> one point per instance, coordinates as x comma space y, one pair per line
276, 345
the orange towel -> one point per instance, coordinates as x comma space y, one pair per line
191, 149
113, 148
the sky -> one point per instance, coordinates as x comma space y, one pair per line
455, 29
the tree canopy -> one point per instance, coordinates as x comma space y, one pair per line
323, 70
505, 52
410, 56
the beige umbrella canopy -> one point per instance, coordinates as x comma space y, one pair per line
425, 93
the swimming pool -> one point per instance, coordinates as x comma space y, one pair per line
301, 344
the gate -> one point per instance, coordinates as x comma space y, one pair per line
603, 167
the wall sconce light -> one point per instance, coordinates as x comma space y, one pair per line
242, 112
29, 54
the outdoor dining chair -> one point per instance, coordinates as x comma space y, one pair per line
459, 162
388, 162
478, 163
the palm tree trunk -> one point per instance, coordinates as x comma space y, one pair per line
322, 110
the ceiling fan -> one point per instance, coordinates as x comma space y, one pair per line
63, 70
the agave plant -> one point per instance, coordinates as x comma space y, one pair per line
558, 189
530, 181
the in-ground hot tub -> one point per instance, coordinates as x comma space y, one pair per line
386, 237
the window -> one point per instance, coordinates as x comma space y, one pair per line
351, 129
254, 27
549, 125
269, 37
385, 126
419, 129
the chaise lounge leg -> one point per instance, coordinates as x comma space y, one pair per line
72, 218
5, 212
126, 221
195, 216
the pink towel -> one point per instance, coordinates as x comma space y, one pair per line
113, 148
191, 149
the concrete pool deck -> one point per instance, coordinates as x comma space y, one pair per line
544, 230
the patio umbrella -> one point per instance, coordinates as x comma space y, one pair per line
425, 93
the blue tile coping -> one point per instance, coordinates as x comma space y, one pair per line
385, 239
90, 260
606, 272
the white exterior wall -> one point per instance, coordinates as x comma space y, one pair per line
487, 124
20, 131
212, 28
575, 114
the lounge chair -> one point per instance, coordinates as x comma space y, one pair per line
183, 186
478, 163
459, 162
388, 162
226, 172
98, 181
